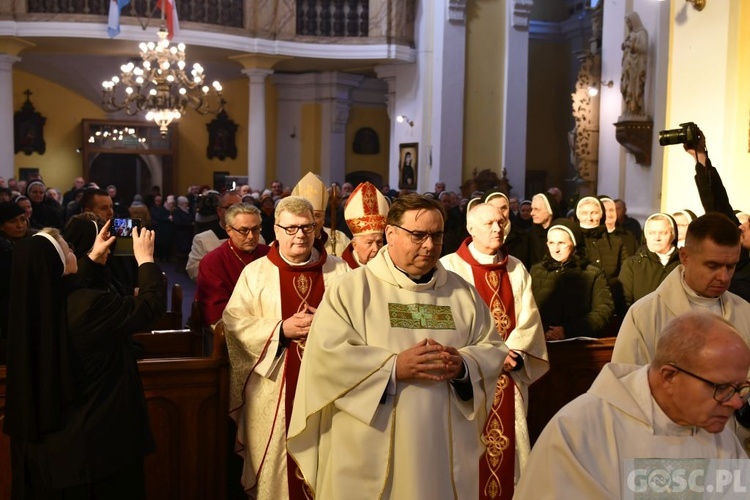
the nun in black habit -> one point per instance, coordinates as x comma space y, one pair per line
75, 411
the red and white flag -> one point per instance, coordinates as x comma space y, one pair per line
169, 7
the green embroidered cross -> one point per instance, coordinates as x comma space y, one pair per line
421, 316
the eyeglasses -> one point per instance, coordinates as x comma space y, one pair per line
722, 392
419, 237
245, 231
292, 230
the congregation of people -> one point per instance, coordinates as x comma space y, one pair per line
382, 344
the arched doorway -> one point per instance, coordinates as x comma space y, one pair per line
130, 155
128, 172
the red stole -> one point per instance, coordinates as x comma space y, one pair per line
300, 286
348, 257
497, 464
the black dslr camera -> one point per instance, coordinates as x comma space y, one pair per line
686, 134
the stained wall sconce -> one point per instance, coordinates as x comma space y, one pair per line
594, 88
697, 4
404, 119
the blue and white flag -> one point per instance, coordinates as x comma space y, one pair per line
113, 24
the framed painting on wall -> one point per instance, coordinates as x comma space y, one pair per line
407, 165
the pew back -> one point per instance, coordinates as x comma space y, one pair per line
573, 367
188, 401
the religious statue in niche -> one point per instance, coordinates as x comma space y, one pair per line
28, 128
633, 79
222, 137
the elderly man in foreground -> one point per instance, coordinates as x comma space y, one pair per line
676, 407
399, 372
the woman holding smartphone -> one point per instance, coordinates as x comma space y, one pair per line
75, 413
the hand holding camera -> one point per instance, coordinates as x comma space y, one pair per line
691, 138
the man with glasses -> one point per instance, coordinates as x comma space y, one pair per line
700, 283
210, 239
267, 321
677, 407
398, 374
220, 269
505, 286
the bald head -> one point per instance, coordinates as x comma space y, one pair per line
686, 337
701, 361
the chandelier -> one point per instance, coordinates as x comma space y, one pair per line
159, 86
114, 135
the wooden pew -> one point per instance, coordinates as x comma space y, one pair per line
573, 367
182, 343
172, 319
188, 402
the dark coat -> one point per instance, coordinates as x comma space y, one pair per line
517, 243
537, 236
183, 227
627, 238
107, 425
643, 272
573, 296
714, 198
608, 253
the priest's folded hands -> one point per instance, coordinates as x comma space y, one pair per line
297, 325
429, 360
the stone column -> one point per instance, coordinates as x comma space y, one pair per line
332, 91
516, 94
256, 127
334, 94
7, 156
443, 151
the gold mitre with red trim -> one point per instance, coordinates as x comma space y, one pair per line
366, 210
311, 188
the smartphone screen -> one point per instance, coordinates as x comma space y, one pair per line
123, 228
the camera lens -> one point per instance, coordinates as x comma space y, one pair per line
672, 136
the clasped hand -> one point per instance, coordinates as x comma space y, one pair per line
429, 360
297, 325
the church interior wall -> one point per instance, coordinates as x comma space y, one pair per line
376, 119
484, 87
708, 89
194, 167
64, 111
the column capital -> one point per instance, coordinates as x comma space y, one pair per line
7, 61
257, 75
260, 61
